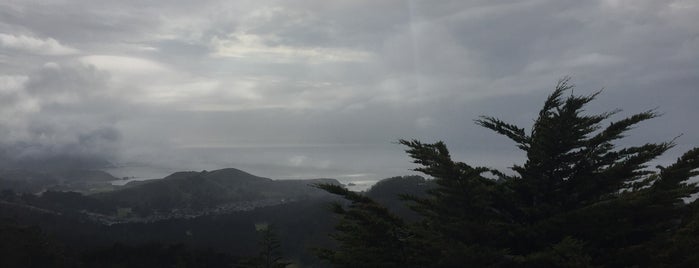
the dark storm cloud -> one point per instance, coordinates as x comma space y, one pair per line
170, 76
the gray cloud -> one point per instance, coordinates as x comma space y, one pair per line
59, 116
92, 150
263, 86
31, 44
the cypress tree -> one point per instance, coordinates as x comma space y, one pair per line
578, 200
369, 235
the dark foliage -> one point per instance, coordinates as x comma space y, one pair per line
577, 201
155, 255
369, 234
23, 246
302, 224
270, 249
388, 192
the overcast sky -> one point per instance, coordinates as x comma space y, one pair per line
317, 88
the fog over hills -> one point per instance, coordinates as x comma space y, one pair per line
128, 122
318, 89
34, 181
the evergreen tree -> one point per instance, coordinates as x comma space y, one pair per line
463, 219
578, 200
270, 247
368, 233
270, 253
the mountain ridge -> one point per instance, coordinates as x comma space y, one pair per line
208, 189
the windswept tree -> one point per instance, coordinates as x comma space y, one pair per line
368, 233
578, 200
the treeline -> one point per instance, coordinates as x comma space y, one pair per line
34, 235
579, 200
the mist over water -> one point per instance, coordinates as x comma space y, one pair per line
355, 165
361, 165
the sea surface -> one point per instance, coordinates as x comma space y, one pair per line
358, 166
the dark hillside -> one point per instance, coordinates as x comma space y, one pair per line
34, 181
388, 192
208, 189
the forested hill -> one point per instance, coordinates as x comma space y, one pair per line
208, 189
91, 230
